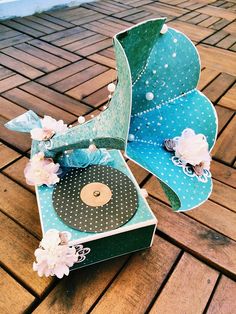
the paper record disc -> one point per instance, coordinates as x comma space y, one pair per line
95, 199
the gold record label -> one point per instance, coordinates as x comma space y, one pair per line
95, 194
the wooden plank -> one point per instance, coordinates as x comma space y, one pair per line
61, 53
27, 58
207, 75
209, 213
227, 42
95, 47
79, 44
103, 60
218, 12
72, 38
13, 297
55, 20
109, 53
34, 25
23, 28
139, 173
165, 9
19, 66
92, 85
19, 140
188, 16
218, 59
215, 38
14, 40
188, 289
70, 14
228, 100
87, 19
97, 98
66, 72
16, 172
223, 195
203, 242
62, 101
218, 87
101, 29
104, 8
17, 248
225, 147
220, 24
224, 115
197, 19
62, 34
79, 78
4, 73
9, 110
38, 105
223, 173
143, 276
47, 24
231, 28
7, 155
224, 301
208, 22
78, 292
19, 204
41, 54
194, 32
12, 81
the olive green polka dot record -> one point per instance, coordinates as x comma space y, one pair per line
95, 199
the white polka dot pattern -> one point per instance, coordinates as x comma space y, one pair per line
75, 213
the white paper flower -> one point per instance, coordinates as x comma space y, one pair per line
50, 127
41, 170
192, 149
55, 255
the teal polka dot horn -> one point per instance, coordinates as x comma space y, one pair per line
156, 113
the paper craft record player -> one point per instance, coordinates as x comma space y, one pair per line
91, 208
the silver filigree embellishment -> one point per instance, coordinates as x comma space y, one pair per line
189, 171
81, 252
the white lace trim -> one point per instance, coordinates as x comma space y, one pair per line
188, 170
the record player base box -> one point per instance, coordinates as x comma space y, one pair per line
136, 234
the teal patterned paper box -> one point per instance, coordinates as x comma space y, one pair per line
135, 235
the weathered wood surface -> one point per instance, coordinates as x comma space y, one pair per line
59, 63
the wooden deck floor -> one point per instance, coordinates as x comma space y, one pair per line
59, 63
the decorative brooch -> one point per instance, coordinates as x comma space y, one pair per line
191, 153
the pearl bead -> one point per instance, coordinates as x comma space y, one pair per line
166, 65
174, 55
111, 87
154, 71
92, 148
175, 40
164, 29
81, 120
131, 138
149, 96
